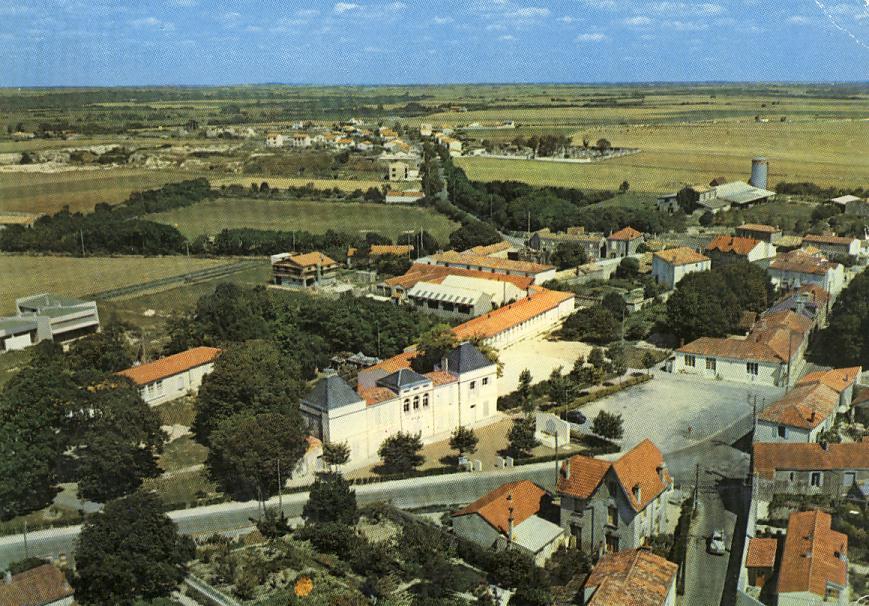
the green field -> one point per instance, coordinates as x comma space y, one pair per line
212, 216
80, 190
80, 276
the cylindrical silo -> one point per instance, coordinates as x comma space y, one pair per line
759, 172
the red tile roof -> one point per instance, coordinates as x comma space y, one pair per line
761, 553
759, 227
627, 233
813, 555
633, 577
829, 239
799, 261
797, 456
513, 314
375, 395
439, 377
681, 256
495, 263
838, 379
732, 244
422, 272
524, 496
390, 249
806, 407
490, 249
170, 365
638, 468
35, 587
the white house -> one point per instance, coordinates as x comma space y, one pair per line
670, 266
301, 140
771, 354
510, 516
274, 140
635, 577
790, 271
174, 376
391, 397
834, 245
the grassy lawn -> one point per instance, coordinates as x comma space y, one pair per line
181, 488
177, 412
182, 453
80, 190
79, 276
211, 216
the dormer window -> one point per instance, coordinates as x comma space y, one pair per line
637, 492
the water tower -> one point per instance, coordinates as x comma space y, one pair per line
759, 172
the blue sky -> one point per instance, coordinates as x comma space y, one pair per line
100, 42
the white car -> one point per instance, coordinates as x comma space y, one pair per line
716, 543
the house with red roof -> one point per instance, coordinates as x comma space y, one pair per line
174, 376
511, 516
814, 562
623, 242
791, 270
726, 249
633, 577
607, 506
44, 585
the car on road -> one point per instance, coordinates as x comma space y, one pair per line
575, 417
716, 543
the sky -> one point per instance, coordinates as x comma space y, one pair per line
208, 42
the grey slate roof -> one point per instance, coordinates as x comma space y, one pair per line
466, 358
14, 325
402, 379
330, 393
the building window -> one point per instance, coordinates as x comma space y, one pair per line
425, 401
710, 364
415, 402
406, 405
485, 380
751, 368
782, 431
815, 479
447, 306
612, 515
690, 361
473, 384
612, 544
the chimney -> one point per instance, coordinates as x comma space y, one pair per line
812, 418
509, 518
638, 493
445, 364
661, 469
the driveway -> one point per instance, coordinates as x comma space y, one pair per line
540, 357
678, 411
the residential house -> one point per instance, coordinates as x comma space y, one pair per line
404, 197
814, 562
632, 577
174, 376
810, 300
800, 416
511, 516
791, 270
59, 318
670, 266
425, 130
454, 146
668, 203
500, 250
274, 140
301, 140
726, 249
44, 585
807, 468
387, 133
539, 272
623, 242
834, 245
392, 397
546, 240
841, 380
398, 171
759, 231
303, 270
772, 353
607, 506
760, 560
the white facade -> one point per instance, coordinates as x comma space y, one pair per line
670, 274
731, 369
449, 301
533, 326
274, 140
832, 280
766, 431
535, 536
176, 386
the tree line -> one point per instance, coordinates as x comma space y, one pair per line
845, 341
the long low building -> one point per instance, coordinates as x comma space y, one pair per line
539, 272
502, 287
47, 316
449, 301
174, 376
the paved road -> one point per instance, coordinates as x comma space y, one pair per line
706, 573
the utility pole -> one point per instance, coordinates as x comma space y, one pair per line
696, 485
557, 469
81, 235
26, 550
280, 490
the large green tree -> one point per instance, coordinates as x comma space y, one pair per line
845, 341
248, 450
432, 346
250, 378
400, 452
703, 305
594, 324
521, 437
330, 500
569, 254
130, 550
107, 350
474, 233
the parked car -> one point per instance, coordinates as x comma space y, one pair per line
576, 417
716, 543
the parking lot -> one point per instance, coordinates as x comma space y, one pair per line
676, 411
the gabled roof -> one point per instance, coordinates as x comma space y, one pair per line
495, 263
732, 244
466, 358
626, 233
330, 393
311, 259
759, 227
681, 256
837, 379
422, 272
770, 457
828, 239
35, 587
813, 554
170, 365
523, 496
638, 468
402, 379
512, 314
491, 249
761, 553
390, 249
805, 407
632, 577
799, 261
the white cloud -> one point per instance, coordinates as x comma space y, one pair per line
591, 37
529, 12
506, 38
153, 23
638, 21
253, 29
799, 20
395, 6
345, 7
307, 13
567, 19
496, 27
686, 26
442, 20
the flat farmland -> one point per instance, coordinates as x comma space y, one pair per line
285, 182
212, 216
81, 190
826, 152
79, 276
